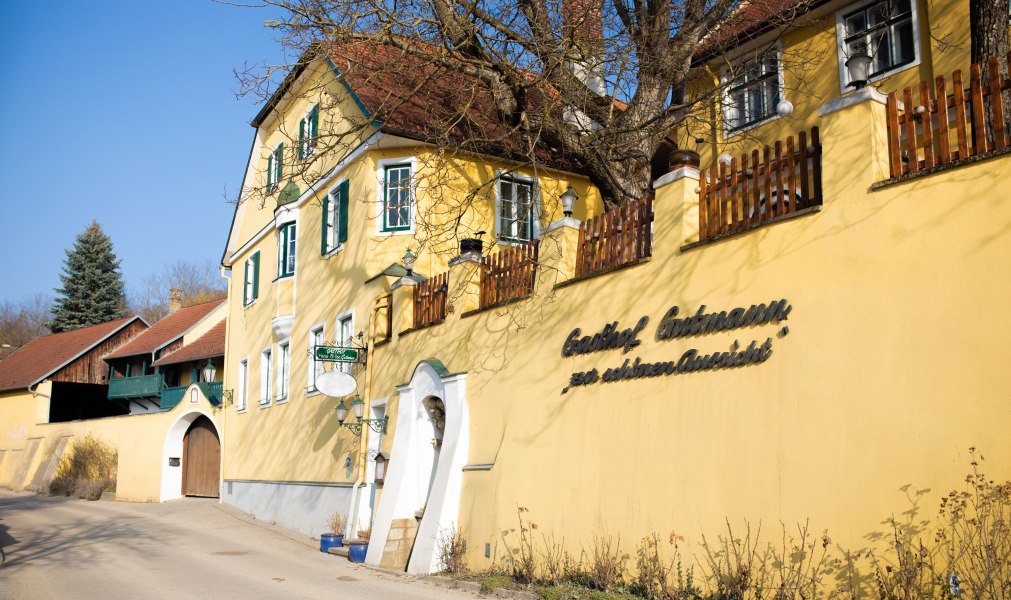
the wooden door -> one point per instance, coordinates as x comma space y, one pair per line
201, 459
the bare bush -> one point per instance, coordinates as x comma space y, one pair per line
452, 550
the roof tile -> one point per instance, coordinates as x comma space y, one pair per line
44, 355
209, 344
165, 331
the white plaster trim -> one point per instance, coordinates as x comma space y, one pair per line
281, 326
442, 508
677, 174
310, 388
867, 94
243, 385
279, 367
172, 477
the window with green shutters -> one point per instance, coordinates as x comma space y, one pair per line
251, 279
308, 131
275, 164
335, 218
286, 250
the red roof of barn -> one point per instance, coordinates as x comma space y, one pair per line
166, 331
45, 355
209, 344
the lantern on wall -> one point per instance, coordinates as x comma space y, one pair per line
381, 462
209, 372
568, 201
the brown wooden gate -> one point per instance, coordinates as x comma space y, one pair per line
201, 459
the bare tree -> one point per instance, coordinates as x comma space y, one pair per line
199, 282
21, 322
589, 86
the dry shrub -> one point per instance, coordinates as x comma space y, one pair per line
734, 566
521, 559
607, 563
86, 470
974, 540
336, 522
659, 579
555, 559
452, 551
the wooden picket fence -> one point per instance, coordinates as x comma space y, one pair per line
620, 236
430, 301
782, 179
932, 131
508, 275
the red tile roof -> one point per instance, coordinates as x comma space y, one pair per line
166, 330
412, 97
45, 355
209, 344
749, 20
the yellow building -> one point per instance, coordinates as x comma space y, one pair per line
716, 353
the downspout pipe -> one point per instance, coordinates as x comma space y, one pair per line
363, 447
35, 393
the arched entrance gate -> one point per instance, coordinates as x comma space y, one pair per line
425, 474
191, 458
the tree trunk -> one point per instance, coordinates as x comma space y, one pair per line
988, 28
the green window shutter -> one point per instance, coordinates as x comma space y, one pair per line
342, 212
256, 276
326, 225
270, 171
279, 162
301, 139
314, 122
245, 284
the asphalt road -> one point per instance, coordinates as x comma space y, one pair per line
191, 548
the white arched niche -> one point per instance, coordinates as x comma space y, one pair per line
420, 475
172, 470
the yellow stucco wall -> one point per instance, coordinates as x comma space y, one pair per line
880, 383
139, 439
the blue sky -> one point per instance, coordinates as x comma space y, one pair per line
124, 112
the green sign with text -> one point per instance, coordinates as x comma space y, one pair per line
337, 354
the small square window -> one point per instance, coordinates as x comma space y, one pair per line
396, 198
753, 93
887, 30
516, 214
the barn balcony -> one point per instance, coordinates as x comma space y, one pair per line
125, 388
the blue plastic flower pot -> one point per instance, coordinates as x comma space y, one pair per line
329, 540
357, 551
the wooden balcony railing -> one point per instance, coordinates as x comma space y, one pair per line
748, 193
146, 386
619, 237
930, 132
508, 275
430, 301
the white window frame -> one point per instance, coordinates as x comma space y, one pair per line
535, 211
283, 370
315, 368
266, 376
348, 316
381, 194
287, 249
242, 385
840, 30
727, 79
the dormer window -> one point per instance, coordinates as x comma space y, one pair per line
274, 168
308, 132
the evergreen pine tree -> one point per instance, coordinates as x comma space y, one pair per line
92, 289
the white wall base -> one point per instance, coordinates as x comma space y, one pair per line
304, 507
